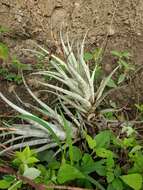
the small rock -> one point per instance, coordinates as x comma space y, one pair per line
111, 31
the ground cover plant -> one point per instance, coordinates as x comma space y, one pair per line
80, 141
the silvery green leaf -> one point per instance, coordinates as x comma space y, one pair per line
67, 92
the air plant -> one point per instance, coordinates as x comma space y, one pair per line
78, 90
41, 133
78, 94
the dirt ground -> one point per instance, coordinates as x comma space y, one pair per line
41, 21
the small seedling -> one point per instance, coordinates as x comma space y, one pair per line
124, 68
3, 29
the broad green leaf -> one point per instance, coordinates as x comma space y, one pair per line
129, 142
110, 187
32, 160
117, 171
46, 156
103, 139
137, 158
54, 165
110, 176
4, 184
68, 173
110, 162
133, 180
91, 142
117, 184
104, 153
100, 167
26, 152
43, 169
77, 155
88, 165
9, 178
31, 173
110, 168
109, 115
88, 56
26, 157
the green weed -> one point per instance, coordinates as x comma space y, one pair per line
109, 162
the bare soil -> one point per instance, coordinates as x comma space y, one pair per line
40, 21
